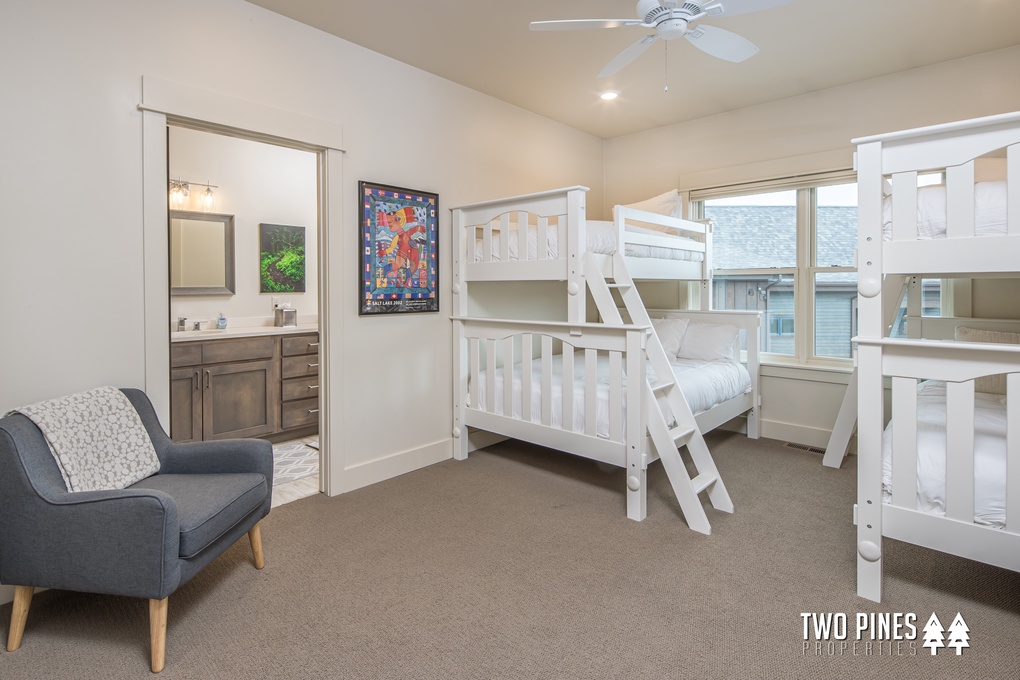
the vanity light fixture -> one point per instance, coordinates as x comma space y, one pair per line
207, 197
180, 190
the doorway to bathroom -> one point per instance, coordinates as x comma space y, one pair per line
243, 274
166, 104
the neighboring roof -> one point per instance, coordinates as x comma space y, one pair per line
752, 237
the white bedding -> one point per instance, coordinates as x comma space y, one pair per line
989, 211
989, 454
600, 237
703, 383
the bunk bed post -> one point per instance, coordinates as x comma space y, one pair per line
577, 294
870, 409
637, 465
705, 299
1013, 184
460, 309
753, 368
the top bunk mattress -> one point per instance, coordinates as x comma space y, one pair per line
600, 237
989, 211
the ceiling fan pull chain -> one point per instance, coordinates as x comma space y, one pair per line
665, 68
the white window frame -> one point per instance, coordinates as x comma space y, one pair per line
806, 267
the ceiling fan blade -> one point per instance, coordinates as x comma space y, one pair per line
721, 43
733, 7
628, 55
582, 24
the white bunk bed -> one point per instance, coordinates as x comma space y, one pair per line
951, 445
613, 363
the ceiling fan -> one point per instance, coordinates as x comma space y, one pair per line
672, 19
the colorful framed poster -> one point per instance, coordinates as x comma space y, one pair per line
399, 255
281, 259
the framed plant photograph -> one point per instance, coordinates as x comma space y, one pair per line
281, 259
399, 256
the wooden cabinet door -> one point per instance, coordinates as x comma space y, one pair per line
186, 404
240, 399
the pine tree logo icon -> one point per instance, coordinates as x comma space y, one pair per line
959, 634
933, 634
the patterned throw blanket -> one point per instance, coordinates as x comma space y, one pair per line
97, 439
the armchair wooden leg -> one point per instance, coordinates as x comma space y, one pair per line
22, 601
255, 536
157, 633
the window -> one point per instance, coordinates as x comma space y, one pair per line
787, 249
931, 305
781, 325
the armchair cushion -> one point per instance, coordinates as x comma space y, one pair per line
208, 506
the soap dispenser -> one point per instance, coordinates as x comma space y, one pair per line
221, 321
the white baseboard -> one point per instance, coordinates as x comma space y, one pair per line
381, 469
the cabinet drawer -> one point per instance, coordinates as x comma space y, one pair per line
306, 365
300, 413
185, 354
237, 350
300, 388
300, 344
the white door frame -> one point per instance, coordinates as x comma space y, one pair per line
166, 103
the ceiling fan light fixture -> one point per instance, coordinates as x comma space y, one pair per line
609, 95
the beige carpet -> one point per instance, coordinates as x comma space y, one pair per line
520, 563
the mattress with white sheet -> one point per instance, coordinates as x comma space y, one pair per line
989, 454
989, 211
600, 237
704, 384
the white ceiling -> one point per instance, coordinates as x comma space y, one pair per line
805, 46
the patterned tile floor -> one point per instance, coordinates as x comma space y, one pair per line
295, 470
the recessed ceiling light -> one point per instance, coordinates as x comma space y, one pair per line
609, 95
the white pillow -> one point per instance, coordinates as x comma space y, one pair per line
992, 384
668, 204
709, 342
671, 332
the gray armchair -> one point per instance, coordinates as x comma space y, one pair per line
143, 541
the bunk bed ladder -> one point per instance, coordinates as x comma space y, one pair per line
666, 436
893, 288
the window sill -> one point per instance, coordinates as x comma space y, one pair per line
814, 371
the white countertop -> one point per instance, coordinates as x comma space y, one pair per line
242, 332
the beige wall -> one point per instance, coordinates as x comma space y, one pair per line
809, 133
806, 134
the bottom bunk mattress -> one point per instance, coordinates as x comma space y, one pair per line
704, 384
989, 454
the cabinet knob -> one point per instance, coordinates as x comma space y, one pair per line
313, 410
313, 365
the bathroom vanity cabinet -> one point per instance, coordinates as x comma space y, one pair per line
299, 387
243, 387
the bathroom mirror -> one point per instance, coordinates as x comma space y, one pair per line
201, 253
